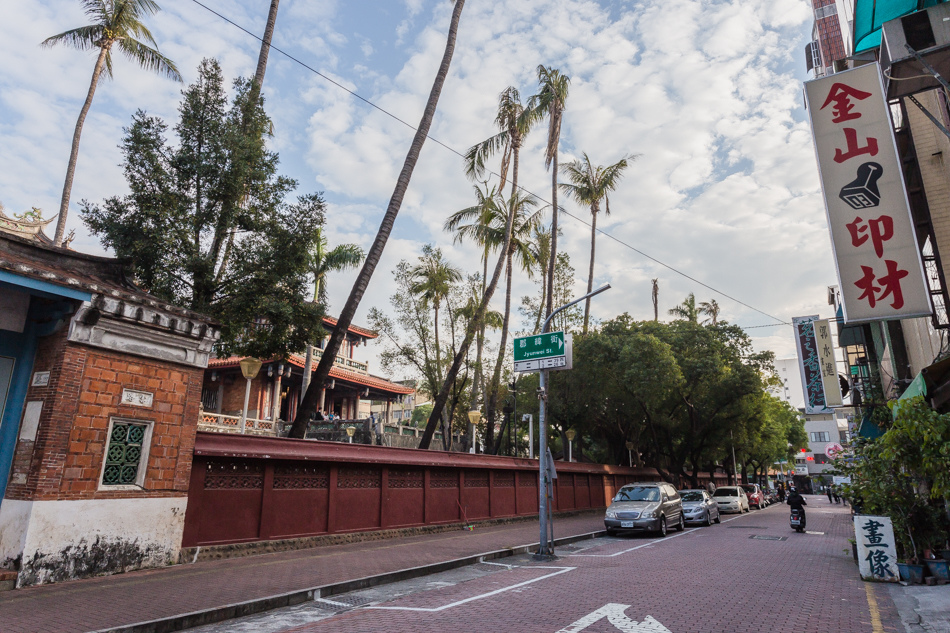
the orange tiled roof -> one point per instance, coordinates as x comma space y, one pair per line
355, 329
335, 372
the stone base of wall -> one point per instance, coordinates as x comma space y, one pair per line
52, 541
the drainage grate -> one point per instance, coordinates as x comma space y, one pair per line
760, 537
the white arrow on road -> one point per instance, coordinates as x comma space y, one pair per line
614, 614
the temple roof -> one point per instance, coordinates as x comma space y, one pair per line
355, 329
26, 229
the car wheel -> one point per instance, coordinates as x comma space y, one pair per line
611, 532
718, 518
682, 524
662, 531
708, 520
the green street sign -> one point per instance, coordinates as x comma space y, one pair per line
551, 350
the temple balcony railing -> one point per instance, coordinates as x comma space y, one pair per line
343, 362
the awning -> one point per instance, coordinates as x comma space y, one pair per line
870, 15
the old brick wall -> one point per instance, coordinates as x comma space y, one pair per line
83, 394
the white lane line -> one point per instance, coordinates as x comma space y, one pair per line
485, 562
648, 544
561, 570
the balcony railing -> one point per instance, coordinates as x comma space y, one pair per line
346, 363
218, 423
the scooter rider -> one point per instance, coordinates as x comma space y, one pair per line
797, 502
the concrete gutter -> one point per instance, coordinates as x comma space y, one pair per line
259, 605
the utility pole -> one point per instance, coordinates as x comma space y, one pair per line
546, 543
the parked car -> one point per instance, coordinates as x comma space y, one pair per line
645, 507
731, 499
699, 507
754, 494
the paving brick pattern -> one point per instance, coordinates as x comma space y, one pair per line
100, 603
707, 580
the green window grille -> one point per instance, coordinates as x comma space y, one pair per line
124, 454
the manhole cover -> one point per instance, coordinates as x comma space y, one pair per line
760, 537
746, 527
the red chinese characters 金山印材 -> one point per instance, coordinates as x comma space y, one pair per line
890, 285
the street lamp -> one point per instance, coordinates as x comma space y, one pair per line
351, 431
630, 446
249, 367
570, 433
474, 416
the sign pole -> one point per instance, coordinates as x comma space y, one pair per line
545, 543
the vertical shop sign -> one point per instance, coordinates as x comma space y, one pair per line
880, 272
826, 360
810, 364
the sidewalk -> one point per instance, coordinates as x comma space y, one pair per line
237, 586
923, 609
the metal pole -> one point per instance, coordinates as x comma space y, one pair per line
630, 457
735, 466
530, 419
570, 456
247, 397
546, 545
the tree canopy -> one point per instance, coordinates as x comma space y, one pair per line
206, 224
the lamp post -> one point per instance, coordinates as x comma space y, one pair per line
474, 416
350, 432
546, 542
630, 453
570, 439
249, 367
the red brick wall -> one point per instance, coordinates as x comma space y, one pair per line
83, 394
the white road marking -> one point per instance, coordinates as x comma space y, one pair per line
561, 570
615, 615
485, 562
648, 544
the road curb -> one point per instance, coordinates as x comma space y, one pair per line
259, 605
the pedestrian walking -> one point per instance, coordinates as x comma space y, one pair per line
828, 491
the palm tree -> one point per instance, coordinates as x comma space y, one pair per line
541, 249
589, 185
551, 101
472, 223
114, 23
265, 44
322, 262
687, 310
432, 282
710, 308
656, 299
311, 400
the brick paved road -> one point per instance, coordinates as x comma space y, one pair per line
705, 580
100, 603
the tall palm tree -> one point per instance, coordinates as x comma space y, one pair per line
311, 400
589, 184
711, 309
114, 23
471, 223
323, 261
656, 299
432, 281
687, 310
541, 248
265, 44
551, 101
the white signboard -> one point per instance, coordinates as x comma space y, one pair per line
832, 449
877, 555
880, 272
137, 398
826, 360
801, 470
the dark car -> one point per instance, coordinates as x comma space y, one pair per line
699, 507
645, 507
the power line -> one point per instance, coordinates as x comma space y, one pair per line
461, 155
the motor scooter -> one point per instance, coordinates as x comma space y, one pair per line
797, 519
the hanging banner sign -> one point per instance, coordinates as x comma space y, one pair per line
880, 271
826, 360
809, 362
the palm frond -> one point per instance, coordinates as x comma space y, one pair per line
83, 38
476, 155
149, 58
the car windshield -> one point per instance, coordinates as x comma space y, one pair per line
638, 493
691, 495
726, 492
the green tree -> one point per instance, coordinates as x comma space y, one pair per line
432, 280
312, 399
206, 225
116, 23
553, 88
687, 310
711, 309
589, 184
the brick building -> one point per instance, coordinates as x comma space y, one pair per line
100, 385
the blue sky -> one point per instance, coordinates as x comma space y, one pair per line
707, 91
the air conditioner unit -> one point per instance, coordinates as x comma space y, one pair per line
928, 33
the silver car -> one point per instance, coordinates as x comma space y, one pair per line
699, 507
645, 507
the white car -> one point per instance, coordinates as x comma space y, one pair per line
731, 499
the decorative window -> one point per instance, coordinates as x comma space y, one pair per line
126, 453
820, 436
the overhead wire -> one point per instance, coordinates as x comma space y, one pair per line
461, 155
